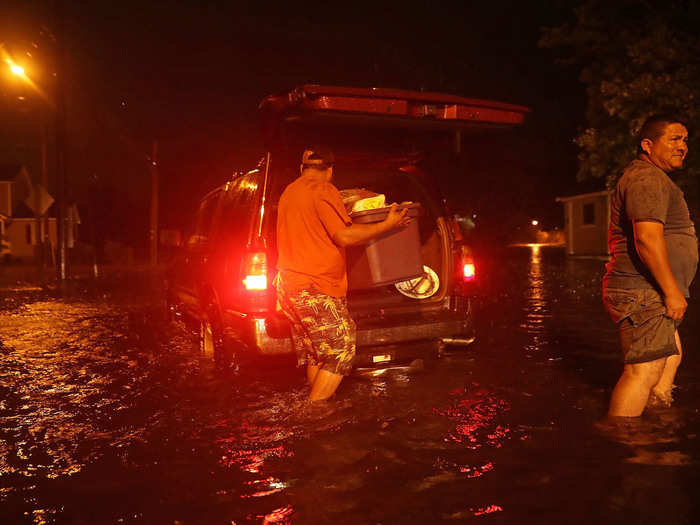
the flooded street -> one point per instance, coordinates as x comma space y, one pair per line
109, 415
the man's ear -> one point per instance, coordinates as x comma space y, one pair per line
646, 145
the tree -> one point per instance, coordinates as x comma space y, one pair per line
636, 58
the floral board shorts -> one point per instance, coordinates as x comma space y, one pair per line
323, 333
646, 333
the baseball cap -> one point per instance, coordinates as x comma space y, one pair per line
320, 158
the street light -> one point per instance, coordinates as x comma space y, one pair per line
17, 70
57, 107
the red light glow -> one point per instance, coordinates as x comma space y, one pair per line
255, 271
487, 510
255, 282
469, 271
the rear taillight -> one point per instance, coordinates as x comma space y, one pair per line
469, 271
255, 271
467, 264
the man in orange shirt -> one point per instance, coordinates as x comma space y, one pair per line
313, 230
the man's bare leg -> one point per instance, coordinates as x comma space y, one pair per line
632, 390
663, 388
311, 371
324, 385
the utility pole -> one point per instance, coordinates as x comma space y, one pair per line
38, 216
60, 142
44, 234
153, 232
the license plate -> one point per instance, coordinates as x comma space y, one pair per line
381, 358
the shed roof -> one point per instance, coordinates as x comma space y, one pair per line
584, 196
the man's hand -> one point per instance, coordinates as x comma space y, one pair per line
396, 218
675, 306
363, 233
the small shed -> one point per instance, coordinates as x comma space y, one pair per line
586, 221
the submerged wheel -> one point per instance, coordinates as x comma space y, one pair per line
206, 339
213, 343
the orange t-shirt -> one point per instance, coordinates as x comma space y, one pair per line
310, 212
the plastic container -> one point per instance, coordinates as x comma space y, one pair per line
392, 257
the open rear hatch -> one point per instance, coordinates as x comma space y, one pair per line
387, 107
379, 137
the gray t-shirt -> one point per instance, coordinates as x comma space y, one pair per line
646, 193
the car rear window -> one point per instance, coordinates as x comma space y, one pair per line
239, 206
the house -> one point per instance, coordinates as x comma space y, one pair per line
20, 230
586, 221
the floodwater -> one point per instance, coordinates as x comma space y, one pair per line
110, 415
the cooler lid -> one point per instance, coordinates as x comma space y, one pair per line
376, 214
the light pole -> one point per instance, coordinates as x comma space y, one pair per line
41, 225
58, 109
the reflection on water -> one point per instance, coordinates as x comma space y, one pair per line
108, 415
476, 413
537, 307
281, 516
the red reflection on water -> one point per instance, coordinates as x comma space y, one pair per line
475, 414
486, 510
251, 460
260, 493
281, 516
274, 486
477, 472
499, 433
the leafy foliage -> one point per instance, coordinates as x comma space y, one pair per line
637, 58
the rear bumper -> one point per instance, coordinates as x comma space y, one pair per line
271, 335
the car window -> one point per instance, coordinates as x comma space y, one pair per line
204, 217
280, 177
240, 204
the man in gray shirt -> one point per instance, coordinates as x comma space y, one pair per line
654, 258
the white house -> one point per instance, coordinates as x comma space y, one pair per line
20, 229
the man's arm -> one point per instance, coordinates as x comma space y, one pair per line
362, 233
651, 247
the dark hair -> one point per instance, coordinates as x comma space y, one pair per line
654, 127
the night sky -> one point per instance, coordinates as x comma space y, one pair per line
190, 74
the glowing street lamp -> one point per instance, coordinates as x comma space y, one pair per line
17, 70
535, 222
57, 105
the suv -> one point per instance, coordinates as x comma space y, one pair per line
384, 141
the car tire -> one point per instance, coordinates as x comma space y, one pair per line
213, 343
206, 339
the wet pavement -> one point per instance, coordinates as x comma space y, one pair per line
110, 415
